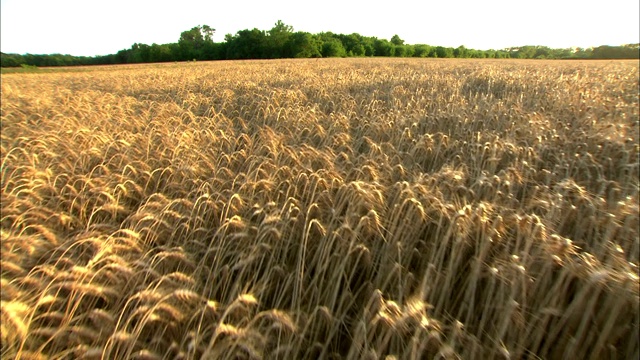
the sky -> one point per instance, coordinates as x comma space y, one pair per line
90, 28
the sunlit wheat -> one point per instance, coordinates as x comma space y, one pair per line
342, 208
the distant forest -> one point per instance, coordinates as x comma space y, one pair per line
282, 42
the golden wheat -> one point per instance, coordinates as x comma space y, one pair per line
342, 208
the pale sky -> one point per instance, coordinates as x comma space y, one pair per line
89, 27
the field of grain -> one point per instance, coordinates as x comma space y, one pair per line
332, 208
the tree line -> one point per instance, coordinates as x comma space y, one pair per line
282, 41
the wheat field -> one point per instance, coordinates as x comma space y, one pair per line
332, 208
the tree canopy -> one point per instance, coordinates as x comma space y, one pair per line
281, 41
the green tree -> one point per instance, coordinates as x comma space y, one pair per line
192, 41
368, 44
304, 45
581, 53
277, 39
247, 44
142, 52
403, 50
525, 52
630, 51
333, 48
213, 51
11, 60
542, 52
383, 47
421, 50
207, 31
395, 40
353, 44
461, 52
161, 53
444, 52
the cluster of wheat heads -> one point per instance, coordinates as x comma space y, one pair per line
355, 208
